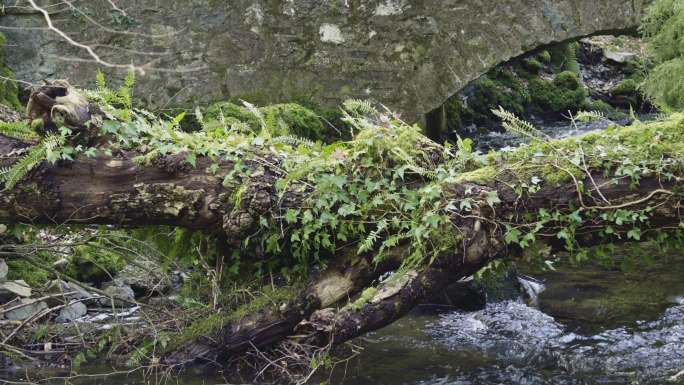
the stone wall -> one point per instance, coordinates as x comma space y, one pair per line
408, 54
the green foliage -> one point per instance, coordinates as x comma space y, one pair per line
662, 27
9, 92
564, 57
544, 56
50, 148
293, 119
22, 270
18, 130
498, 88
533, 65
563, 94
625, 154
368, 201
95, 262
277, 120
626, 87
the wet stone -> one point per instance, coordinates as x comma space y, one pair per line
3, 269
10, 290
30, 308
121, 293
72, 312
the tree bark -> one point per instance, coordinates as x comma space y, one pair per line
116, 191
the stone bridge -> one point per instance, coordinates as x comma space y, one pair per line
408, 54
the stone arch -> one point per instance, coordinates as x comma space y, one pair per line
408, 54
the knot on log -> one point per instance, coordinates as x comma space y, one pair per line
237, 224
172, 163
260, 202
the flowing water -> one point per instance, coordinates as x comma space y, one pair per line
599, 326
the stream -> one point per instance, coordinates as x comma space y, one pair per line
596, 327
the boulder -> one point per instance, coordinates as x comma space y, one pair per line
10, 290
71, 312
118, 290
30, 308
620, 57
146, 277
3, 270
8, 114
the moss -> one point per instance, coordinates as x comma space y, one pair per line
453, 108
484, 175
9, 92
500, 87
293, 119
280, 119
597, 105
626, 87
641, 143
232, 112
365, 297
544, 57
33, 276
206, 326
532, 65
94, 264
564, 93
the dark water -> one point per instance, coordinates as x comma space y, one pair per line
600, 327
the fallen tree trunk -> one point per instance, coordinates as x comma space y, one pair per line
515, 201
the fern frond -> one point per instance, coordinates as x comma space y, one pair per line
200, 118
293, 141
359, 107
100, 81
518, 126
125, 92
18, 130
255, 111
589, 116
10, 177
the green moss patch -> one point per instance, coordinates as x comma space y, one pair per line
9, 92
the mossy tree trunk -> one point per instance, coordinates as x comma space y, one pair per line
116, 191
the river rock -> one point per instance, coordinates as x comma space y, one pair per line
146, 277
620, 57
7, 114
122, 293
10, 290
72, 312
31, 307
56, 287
3, 270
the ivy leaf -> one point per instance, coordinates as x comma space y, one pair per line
493, 198
308, 216
635, 234
291, 216
563, 234
575, 217
110, 126
192, 159
91, 152
347, 209
512, 235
